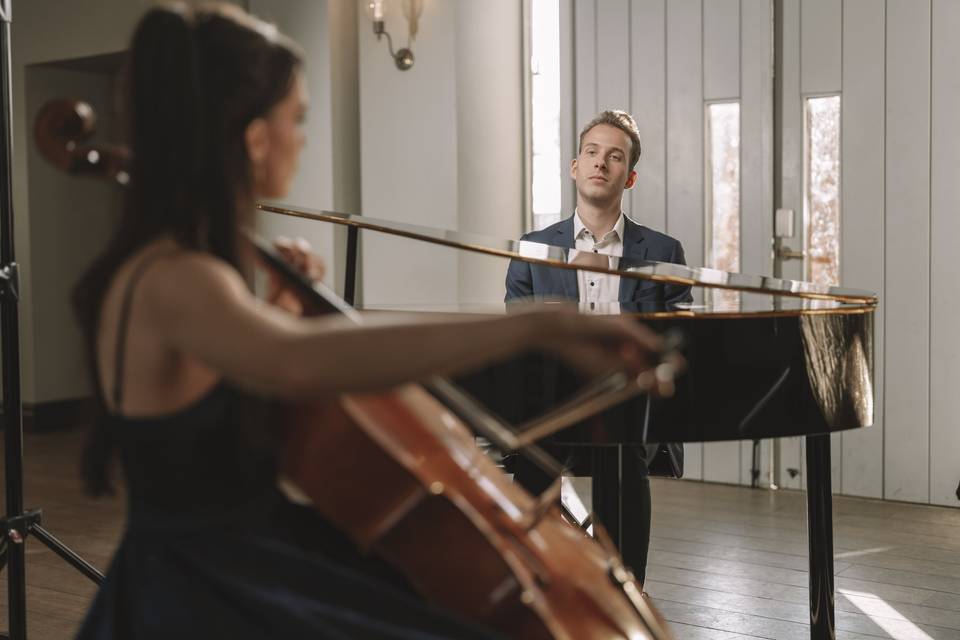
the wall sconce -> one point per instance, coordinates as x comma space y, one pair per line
411, 11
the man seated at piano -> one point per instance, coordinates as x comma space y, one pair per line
598, 230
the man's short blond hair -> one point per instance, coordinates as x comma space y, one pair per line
623, 121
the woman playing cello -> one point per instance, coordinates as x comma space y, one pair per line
187, 361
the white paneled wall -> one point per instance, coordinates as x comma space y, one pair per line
791, 193
647, 202
944, 234
408, 159
612, 61
684, 146
441, 145
721, 82
821, 22
894, 63
820, 73
862, 211
756, 162
907, 265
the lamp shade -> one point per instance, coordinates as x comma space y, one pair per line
375, 9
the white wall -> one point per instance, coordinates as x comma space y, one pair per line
442, 146
862, 210
489, 110
50, 249
408, 157
944, 230
71, 220
44, 31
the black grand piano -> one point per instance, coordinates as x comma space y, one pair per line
767, 358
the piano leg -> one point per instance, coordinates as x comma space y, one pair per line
621, 502
820, 537
605, 462
353, 258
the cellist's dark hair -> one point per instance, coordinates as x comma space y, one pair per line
194, 79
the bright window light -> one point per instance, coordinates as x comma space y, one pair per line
821, 189
723, 191
892, 622
545, 111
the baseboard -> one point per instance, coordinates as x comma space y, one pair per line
58, 415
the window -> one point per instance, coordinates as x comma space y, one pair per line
723, 191
546, 178
821, 188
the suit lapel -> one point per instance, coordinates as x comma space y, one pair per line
634, 250
568, 277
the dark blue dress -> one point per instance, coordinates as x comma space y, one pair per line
213, 550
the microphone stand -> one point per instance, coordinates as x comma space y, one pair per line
18, 523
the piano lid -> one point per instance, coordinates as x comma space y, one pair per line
747, 305
562, 257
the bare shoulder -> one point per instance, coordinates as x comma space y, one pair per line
184, 280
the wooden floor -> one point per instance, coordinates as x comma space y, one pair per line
728, 562
57, 595
725, 562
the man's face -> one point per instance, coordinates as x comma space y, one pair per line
601, 169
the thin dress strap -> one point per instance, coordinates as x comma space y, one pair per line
125, 309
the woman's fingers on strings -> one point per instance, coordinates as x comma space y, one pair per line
660, 379
620, 343
644, 338
300, 255
285, 246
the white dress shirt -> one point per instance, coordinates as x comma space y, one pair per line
599, 292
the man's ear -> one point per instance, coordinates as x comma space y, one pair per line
573, 168
631, 180
257, 140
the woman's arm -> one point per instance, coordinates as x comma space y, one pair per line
203, 308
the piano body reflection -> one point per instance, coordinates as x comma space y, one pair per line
767, 358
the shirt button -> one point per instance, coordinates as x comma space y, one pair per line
592, 283
595, 251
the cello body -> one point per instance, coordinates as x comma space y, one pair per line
403, 478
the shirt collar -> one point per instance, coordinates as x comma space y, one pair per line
579, 228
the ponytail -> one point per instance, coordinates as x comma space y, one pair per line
166, 116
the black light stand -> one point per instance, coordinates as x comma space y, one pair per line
18, 524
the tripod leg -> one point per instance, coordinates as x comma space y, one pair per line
10, 336
67, 554
14, 527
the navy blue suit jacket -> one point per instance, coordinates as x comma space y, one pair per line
532, 281
525, 280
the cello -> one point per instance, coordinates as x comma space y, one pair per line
409, 483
